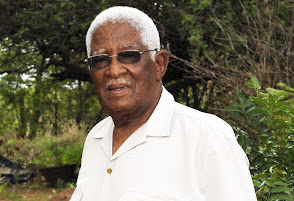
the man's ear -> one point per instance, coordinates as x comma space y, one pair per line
161, 60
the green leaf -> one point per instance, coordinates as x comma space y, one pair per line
272, 100
281, 98
233, 108
259, 101
285, 87
252, 115
283, 103
263, 129
257, 121
281, 172
248, 104
257, 182
249, 84
279, 189
281, 113
281, 94
281, 126
235, 104
240, 96
276, 197
266, 112
237, 115
250, 108
62, 4
255, 82
279, 183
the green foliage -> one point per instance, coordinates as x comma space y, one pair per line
272, 185
57, 104
286, 92
217, 44
214, 41
56, 153
231, 40
264, 124
46, 151
39, 39
2, 187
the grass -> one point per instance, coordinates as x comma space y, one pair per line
33, 190
20, 192
45, 150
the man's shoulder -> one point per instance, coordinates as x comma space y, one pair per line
184, 111
211, 122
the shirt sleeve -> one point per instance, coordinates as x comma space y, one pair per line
227, 169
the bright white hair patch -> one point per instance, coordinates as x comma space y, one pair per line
131, 16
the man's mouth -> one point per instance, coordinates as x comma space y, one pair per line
117, 88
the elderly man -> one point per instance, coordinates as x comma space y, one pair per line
150, 147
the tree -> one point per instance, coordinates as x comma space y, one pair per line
264, 125
233, 40
213, 44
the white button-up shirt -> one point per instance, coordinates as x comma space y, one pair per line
179, 154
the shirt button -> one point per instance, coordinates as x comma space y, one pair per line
109, 171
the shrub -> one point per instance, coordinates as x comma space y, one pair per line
264, 125
47, 150
57, 153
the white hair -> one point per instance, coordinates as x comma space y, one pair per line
131, 16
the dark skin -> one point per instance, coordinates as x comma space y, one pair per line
128, 93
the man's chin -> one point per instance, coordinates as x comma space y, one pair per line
118, 108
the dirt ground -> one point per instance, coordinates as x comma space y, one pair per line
16, 193
63, 195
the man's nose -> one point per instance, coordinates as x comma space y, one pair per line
116, 69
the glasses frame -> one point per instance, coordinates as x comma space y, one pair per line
89, 59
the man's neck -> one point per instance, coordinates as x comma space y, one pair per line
126, 125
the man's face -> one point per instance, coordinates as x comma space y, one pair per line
126, 89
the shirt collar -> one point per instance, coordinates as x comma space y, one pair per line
103, 128
158, 124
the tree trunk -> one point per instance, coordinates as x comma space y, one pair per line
37, 98
22, 128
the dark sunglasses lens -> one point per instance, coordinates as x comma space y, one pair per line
129, 57
98, 62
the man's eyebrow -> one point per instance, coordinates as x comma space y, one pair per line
129, 46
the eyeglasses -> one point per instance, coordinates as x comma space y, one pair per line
125, 57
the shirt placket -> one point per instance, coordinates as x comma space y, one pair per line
107, 180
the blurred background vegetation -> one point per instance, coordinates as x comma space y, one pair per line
47, 102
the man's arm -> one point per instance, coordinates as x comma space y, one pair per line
227, 170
